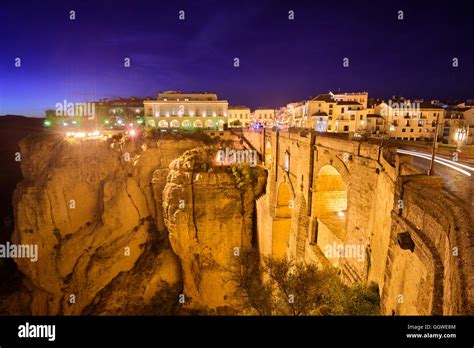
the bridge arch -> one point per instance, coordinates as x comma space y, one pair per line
268, 153
281, 226
329, 212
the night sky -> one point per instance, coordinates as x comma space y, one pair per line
280, 60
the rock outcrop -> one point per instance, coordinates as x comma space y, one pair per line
90, 208
208, 211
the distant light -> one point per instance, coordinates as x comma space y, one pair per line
73, 122
47, 123
139, 121
65, 124
341, 213
119, 121
107, 121
132, 132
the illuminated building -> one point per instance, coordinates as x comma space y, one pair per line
239, 116
173, 109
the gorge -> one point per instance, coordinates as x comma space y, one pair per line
118, 221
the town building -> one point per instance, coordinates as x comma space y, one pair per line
265, 116
239, 116
411, 120
459, 126
174, 109
339, 113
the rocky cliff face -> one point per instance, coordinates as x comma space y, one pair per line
100, 212
90, 208
208, 212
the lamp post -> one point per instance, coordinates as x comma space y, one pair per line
460, 135
435, 140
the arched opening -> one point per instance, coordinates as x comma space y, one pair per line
268, 153
186, 124
221, 125
163, 124
198, 124
174, 124
282, 222
209, 124
329, 213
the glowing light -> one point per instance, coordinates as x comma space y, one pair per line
65, 124
340, 213
47, 123
119, 121
132, 132
93, 134
139, 121
442, 161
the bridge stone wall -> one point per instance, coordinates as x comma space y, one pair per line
427, 280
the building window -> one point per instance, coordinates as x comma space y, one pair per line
342, 109
411, 130
346, 128
403, 130
361, 117
329, 127
353, 117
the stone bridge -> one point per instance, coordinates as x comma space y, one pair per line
362, 208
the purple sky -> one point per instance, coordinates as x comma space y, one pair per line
280, 60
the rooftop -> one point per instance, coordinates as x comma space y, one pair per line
325, 98
348, 103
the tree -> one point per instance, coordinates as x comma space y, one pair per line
252, 293
236, 123
285, 287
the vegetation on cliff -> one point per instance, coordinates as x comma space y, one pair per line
286, 287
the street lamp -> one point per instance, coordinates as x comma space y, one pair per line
460, 135
433, 151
